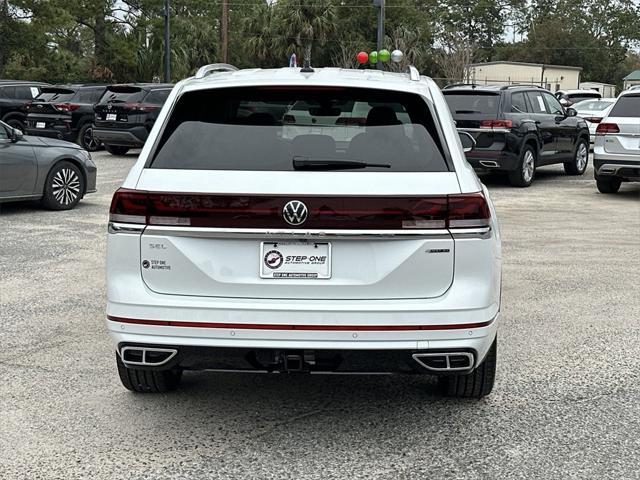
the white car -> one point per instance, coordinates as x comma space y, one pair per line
568, 97
616, 151
236, 245
593, 111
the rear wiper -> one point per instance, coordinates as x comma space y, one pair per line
305, 163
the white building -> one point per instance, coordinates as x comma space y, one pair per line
606, 89
552, 77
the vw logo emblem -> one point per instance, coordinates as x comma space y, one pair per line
295, 212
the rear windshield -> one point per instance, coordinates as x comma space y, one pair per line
578, 97
592, 105
55, 95
626, 106
275, 128
123, 94
472, 103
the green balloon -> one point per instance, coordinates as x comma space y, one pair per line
384, 55
373, 57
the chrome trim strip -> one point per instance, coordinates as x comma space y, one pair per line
115, 227
463, 233
200, 232
619, 134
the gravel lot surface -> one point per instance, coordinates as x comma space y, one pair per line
566, 405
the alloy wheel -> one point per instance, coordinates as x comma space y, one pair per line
581, 157
89, 141
528, 166
65, 186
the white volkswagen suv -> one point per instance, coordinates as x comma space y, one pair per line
357, 240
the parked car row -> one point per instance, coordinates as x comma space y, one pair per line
123, 114
518, 128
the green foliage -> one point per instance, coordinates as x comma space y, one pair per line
122, 40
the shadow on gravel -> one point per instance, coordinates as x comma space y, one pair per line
18, 208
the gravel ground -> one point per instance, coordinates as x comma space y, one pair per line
566, 405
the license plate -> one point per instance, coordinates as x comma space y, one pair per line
301, 260
112, 116
41, 124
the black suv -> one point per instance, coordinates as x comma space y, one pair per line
65, 112
518, 128
126, 113
15, 95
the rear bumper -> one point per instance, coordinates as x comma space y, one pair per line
481, 159
60, 132
629, 168
129, 137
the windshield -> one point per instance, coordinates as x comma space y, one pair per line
122, 95
275, 128
472, 103
592, 105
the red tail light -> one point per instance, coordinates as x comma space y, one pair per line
496, 124
593, 119
607, 128
140, 107
265, 211
66, 107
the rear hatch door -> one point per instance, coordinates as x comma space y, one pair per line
626, 115
470, 109
53, 104
121, 107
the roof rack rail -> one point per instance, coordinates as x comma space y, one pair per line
413, 72
513, 85
214, 67
460, 84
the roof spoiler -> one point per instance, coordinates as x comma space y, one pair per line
213, 68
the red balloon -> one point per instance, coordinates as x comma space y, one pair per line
363, 57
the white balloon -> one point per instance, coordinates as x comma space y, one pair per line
397, 56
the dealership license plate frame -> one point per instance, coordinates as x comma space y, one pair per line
296, 270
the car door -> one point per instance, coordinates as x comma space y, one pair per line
566, 130
17, 164
547, 127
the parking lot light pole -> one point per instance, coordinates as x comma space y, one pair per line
167, 45
380, 43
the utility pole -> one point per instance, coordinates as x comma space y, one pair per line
167, 44
224, 30
380, 45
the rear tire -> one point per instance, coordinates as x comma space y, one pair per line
16, 123
64, 187
476, 384
148, 381
86, 139
524, 173
578, 165
608, 184
116, 149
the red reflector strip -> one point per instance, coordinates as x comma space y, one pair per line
272, 326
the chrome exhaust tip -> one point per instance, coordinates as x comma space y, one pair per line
445, 361
489, 163
146, 356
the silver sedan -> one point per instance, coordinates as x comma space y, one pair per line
55, 172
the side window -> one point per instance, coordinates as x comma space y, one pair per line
553, 105
518, 103
537, 102
23, 93
96, 94
84, 96
9, 92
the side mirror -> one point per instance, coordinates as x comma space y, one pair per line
571, 112
467, 140
15, 135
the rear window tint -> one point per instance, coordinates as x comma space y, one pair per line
578, 97
472, 103
55, 95
132, 94
626, 106
157, 97
267, 128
